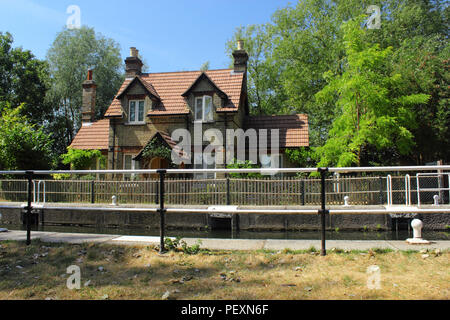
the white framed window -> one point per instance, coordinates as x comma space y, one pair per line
136, 111
201, 163
130, 164
203, 109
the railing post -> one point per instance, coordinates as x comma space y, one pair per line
29, 175
302, 190
161, 209
157, 192
323, 211
92, 191
381, 190
228, 191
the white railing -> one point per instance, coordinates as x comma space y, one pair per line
439, 176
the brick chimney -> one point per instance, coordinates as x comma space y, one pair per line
133, 65
89, 94
240, 57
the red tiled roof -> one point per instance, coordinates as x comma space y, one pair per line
171, 85
92, 137
293, 128
148, 86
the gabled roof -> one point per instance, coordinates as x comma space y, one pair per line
94, 136
293, 132
204, 76
147, 86
167, 139
170, 87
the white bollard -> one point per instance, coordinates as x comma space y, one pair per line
436, 200
346, 199
114, 200
417, 226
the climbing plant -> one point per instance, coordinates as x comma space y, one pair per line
81, 159
156, 148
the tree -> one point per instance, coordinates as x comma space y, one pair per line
23, 80
424, 65
72, 53
264, 90
372, 113
23, 145
305, 40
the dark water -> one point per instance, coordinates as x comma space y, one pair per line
227, 234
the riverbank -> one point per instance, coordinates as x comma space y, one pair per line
123, 269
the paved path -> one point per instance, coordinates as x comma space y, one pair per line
224, 244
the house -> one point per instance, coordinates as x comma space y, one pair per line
136, 131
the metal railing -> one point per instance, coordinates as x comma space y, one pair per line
162, 209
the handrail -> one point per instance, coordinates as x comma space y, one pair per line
389, 189
407, 190
233, 210
250, 170
38, 191
323, 211
431, 174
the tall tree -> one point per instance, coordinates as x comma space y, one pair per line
424, 65
264, 89
23, 80
72, 53
305, 40
23, 145
373, 115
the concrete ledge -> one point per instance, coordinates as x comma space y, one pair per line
224, 244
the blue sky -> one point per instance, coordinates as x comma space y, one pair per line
171, 35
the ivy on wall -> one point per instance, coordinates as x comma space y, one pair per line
157, 149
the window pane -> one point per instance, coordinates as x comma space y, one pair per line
141, 111
198, 109
208, 108
132, 111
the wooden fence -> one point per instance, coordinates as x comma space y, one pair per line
233, 191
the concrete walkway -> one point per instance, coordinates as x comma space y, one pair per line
224, 244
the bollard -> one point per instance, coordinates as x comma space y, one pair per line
436, 200
346, 199
417, 225
114, 200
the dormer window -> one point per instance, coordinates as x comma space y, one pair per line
136, 111
203, 109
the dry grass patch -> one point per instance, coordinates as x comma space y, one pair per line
139, 272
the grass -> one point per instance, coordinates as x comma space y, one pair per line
139, 272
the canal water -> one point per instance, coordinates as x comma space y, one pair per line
227, 234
